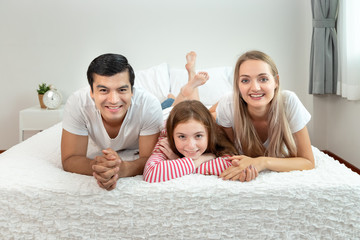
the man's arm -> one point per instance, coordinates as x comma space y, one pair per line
146, 146
109, 167
73, 153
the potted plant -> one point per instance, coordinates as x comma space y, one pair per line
43, 88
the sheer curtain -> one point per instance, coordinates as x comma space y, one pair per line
348, 27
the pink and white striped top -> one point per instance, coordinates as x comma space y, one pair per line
159, 169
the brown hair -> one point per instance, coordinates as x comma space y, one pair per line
218, 143
281, 141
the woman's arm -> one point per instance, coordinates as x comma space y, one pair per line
303, 161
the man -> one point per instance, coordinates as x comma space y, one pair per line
116, 116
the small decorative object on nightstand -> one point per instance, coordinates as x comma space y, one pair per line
52, 98
43, 88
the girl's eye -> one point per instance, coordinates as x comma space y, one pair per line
181, 136
244, 80
199, 136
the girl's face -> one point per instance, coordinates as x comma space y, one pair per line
191, 138
256, 84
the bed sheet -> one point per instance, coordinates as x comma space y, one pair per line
39, 200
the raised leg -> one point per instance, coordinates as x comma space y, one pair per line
190, 90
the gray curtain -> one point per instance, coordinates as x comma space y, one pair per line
324, 50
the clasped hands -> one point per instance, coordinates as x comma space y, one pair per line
106, 169
242, 169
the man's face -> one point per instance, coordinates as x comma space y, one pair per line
112, 96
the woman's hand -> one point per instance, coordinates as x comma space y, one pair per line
243, 169
247, 174
166, 149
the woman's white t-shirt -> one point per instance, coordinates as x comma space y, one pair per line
295, 112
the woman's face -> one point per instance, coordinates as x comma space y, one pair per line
256, 84
191, 138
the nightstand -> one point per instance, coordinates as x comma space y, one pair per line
38, 119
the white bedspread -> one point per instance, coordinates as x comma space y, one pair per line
38, 200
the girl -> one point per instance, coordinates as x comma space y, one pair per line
195, 144
267, 126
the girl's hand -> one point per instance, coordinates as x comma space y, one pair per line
166, 149
243, 169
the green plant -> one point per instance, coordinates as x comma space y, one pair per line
43, 88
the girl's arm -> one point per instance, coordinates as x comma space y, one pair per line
160, 169
215, 166
303, 161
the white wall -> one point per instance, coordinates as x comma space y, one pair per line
336, 127
54, 41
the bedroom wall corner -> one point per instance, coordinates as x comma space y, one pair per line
336, 127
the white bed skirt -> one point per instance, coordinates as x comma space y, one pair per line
39, 200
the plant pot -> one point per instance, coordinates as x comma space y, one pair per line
42, 105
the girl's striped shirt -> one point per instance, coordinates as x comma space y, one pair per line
160, 169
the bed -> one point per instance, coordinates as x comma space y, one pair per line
38, 200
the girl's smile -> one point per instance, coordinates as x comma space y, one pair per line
191, 138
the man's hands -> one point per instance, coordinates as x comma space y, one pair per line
106, 169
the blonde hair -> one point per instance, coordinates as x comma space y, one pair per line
281, 141
218, 142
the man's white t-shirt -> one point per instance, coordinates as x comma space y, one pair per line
295, 112
144, 117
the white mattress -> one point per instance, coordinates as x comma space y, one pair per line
38, 200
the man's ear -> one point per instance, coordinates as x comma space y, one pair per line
91, 93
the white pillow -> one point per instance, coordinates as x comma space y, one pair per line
155, 79
219, 83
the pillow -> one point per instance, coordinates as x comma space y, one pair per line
219, 83
155, 80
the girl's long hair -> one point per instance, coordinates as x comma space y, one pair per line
281, 141
218, 142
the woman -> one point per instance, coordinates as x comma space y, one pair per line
267, 126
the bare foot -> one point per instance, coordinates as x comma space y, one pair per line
199, 79
170, 95
190, 64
